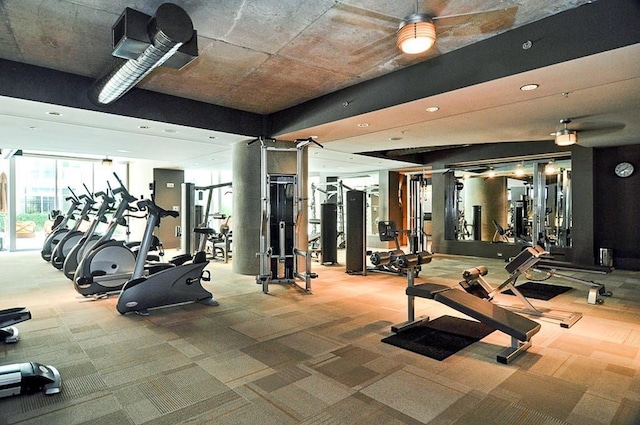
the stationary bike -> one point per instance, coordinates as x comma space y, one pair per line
175, 284
60, 228
21, 378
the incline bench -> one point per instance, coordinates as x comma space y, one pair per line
520, 328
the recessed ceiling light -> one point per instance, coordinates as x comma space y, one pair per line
529, 87
122, 151
432, 109
363, 124
170, 131
394, 139
54, 113
32, 128
144, 127
212, 137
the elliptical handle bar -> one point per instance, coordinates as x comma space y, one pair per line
73, 196
88, 191
123, 190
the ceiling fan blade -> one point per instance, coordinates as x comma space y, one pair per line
433, 7
475, 23
598, 127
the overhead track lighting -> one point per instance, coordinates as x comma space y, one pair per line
566, 137
145, 43
416, 34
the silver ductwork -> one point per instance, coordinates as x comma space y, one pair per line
141, 44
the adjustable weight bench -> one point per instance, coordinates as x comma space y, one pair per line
520, 328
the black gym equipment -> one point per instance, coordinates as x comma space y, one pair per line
356, 235
60, 228
173, 284
329, 233
519, 328
23, 378
282, 203
394, 261
109, 263
84, 244
61, 248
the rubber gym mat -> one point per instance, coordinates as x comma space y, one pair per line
540, 291
441, 337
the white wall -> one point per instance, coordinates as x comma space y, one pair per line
140, 177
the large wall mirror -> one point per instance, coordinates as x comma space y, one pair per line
524, 201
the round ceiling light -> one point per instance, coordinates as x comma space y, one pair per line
529, 87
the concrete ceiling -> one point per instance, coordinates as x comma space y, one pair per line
265, 56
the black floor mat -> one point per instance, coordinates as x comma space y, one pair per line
441, 337
540, 291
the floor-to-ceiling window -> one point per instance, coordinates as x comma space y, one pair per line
36, 187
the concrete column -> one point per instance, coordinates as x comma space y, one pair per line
246, 207
491, 194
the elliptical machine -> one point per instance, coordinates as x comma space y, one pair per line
60, 229
175, 284
62, 248
21, 378
110, 263
88, 239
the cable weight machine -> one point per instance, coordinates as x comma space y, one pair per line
280, 226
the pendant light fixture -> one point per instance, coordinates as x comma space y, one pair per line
416, 34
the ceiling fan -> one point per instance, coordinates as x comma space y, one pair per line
566, 137
417, 32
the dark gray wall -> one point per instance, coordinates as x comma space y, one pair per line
167, 194
617, 201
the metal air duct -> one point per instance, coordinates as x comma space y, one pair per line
145, 43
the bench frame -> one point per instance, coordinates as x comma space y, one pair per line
520, 338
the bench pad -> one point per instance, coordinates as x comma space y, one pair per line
426, 290
490, 314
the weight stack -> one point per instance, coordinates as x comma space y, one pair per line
356, 232
329, 233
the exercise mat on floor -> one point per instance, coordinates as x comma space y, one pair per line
540, 291
441, 337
